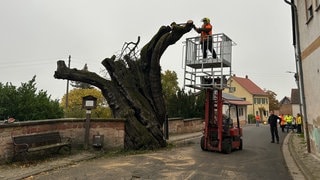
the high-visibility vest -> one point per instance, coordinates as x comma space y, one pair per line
288, 118
204, 35
282, 122
298, 120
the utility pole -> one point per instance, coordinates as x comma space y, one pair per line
67, 92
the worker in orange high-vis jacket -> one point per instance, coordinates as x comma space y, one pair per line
206, 38
257, 117
282, 122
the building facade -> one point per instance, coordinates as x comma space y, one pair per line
285, 106
249, 91
229, 108
295, 102
306, 28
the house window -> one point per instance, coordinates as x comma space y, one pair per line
232, 89
258, 100
263, 100
240, 111
309, 10
317, 5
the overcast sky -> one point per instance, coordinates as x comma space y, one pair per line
35, 34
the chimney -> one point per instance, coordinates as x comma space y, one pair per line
246, 76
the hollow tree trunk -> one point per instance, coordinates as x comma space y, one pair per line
134, 91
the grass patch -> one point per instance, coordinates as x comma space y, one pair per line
301, 135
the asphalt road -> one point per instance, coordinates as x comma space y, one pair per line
259, 159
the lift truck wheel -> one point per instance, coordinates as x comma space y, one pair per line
241, 145
202, 143
227, 146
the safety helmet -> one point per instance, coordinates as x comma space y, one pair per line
205, 19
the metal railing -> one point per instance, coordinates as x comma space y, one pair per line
197, 68
221, 44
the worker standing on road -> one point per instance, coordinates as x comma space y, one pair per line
273, 121
299, 122
257, 120
282, 122
206, 38
288, 118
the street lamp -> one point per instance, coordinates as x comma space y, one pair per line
88, 103
296, 77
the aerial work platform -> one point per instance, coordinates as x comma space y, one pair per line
210, 74
207, 72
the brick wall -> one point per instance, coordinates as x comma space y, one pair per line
286, 109
179, 125
111, 129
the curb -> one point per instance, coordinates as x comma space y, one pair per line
291, 164
306, 173
181, 140
52, 167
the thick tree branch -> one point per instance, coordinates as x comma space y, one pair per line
63, 72
161, 45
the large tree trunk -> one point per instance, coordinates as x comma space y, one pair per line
134, 91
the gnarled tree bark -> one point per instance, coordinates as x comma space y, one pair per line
134, 91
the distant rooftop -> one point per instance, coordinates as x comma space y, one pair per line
250, 86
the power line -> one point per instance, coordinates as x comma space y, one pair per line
9, 63
23, 64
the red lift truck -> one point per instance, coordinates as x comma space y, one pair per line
219, 132
209, 74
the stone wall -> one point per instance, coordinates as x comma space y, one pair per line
179, 125
113, 131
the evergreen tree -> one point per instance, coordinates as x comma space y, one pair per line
27, 103
186, 105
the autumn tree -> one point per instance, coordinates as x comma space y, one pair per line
74, 109
273, 102
134, 91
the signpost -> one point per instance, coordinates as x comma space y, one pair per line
88, 103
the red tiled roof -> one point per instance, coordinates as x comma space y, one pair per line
250, 86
